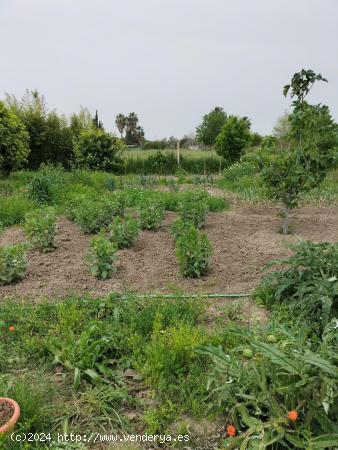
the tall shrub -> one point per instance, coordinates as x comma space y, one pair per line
98, 150
14, 139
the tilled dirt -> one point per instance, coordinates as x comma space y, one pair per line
244, 240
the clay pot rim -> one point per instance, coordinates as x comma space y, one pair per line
15, 417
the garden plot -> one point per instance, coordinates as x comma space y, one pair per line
244, 240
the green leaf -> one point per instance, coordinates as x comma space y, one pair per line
286, 90
325, 441
77, 378
94, 376
315, 360
296, 441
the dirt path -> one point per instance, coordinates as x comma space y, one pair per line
244, 240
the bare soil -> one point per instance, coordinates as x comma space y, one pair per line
244, 240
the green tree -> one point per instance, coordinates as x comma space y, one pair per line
98, 150
290, 171
212, 123
139, 136
256, 139
14, 138
233, 138
50, 137
96, 122
80, 122
134, 132
121, 122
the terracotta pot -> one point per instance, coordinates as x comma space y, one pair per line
9, 425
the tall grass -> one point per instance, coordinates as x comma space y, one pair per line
194, 162
192, 154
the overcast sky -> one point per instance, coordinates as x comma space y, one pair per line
170, 61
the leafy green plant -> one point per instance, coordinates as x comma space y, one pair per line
173, 367
173, 185
97, 150
193, 208
111, 184
91, 214
123, 231
89, 355
14, 141
13, 209
99, 407
178, 227
193, 251
40, 229
278, 389
170, 351
13, 263
307, 283
101, 257
45, 184
151, 215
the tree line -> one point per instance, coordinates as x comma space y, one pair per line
31, 135
294, 159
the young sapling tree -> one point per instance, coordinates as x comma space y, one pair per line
289, 172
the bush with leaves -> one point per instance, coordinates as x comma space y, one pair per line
178, 227
14, 139
193, 208
307, 283
44, 186
151, 214
101, 257
92, 213
233, 138
174, 368
13, 263
13, 209
209, 129
88, 354
40, 229
278, 387
193, 251
97, 150
124, 231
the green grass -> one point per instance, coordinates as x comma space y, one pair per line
64, 362
244, 180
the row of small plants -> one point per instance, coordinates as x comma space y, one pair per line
193, 249
92, 211
122, 233
25, 191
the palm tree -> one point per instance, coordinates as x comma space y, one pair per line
132, 121
121, 122
131, 127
